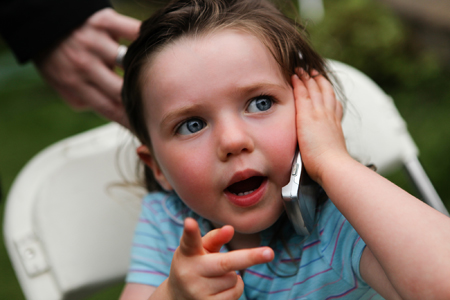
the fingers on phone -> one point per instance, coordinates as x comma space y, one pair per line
315, 93
327, 91
300, 90
319, 89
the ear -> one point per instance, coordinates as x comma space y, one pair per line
147, 157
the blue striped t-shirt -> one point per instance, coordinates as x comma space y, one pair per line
325, 265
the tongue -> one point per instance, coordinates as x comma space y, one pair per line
243, 186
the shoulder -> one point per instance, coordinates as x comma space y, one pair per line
162, 211
156, 237
166, 212
340, 244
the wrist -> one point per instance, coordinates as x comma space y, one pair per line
334, 167
163, 292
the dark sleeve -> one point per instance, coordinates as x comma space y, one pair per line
31, 26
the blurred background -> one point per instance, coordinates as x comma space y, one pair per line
403, 45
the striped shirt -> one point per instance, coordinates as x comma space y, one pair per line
325, 265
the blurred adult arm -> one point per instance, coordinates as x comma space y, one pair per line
74, 45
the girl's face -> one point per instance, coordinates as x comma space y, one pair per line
221, 119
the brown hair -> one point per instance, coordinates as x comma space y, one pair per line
283, 37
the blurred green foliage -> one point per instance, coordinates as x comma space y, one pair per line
372, 38
361, 33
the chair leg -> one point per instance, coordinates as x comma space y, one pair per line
424, 186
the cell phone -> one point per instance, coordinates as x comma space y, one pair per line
300, 197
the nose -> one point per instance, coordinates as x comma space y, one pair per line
234, 139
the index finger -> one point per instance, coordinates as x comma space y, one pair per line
219, 264
191, 240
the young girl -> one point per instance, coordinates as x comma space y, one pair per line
219, 92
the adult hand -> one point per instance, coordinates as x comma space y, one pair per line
81, 67
318, 119
198, 271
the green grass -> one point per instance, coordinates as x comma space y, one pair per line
361, 33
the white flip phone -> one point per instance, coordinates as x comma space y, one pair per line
300, 198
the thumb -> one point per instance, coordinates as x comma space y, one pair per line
191, 240
123, 26
117, 25
215, 239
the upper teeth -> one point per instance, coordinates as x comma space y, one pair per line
245, 193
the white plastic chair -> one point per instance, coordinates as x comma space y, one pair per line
377, 134
68, 226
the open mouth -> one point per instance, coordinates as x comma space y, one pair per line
247, 186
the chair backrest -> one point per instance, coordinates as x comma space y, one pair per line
374, 130
376, 133
69, 224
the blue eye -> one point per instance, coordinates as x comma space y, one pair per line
191, 126
261, 103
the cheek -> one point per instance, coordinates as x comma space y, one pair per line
283, 156
281, 141
187, 169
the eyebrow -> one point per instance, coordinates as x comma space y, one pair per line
238, 91
183, 110
249, 89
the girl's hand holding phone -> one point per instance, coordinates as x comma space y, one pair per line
318, 121
416, 264
199, 271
